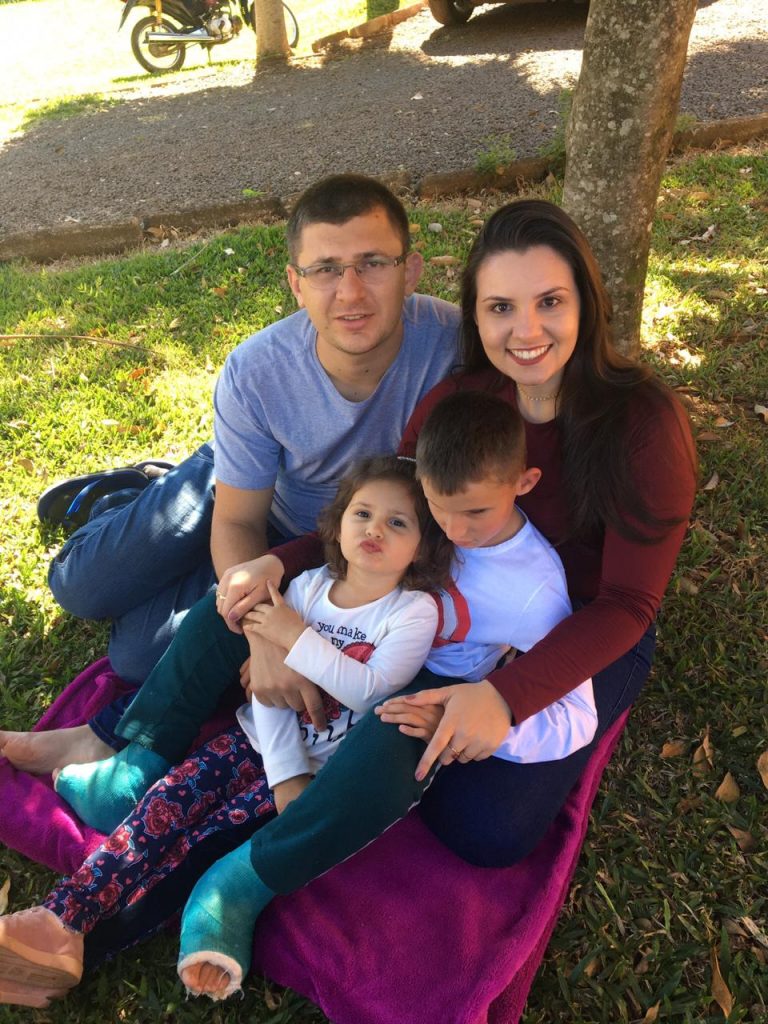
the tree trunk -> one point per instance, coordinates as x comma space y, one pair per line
271, 38
618, 138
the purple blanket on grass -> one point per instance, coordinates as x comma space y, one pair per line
402, 933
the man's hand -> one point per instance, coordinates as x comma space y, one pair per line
420, 722
276, 622
476, 718
275, 685
245, 585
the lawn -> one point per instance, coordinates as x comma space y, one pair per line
667, 917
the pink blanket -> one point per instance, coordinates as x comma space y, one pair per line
402, 933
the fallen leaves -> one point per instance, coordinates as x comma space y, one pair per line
720, 991
5, 888
728, 791
762, 412
674, 748
703, 755
745, 841
762, 767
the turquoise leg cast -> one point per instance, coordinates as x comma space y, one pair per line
220, 916
105, 792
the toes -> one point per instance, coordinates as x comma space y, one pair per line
205, 979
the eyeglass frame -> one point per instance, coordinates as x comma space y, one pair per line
342, 268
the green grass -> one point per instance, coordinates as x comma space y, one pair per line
661, 881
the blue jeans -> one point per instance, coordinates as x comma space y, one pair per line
143, 565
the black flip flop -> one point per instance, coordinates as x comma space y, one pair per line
69, 503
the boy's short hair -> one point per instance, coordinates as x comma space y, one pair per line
470, 436
339, 198
431, 567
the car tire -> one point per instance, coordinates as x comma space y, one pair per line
451, 12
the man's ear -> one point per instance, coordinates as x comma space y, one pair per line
295, 284
528, 480
414, 265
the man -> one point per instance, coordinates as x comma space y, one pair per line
295, 404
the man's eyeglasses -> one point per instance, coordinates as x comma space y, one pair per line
372, 270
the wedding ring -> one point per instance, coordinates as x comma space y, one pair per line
219, 596
456, 753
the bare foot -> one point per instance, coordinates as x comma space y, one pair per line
42, 752
204, 979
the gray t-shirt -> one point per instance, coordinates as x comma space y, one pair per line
280, 421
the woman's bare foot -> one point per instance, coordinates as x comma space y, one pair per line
42, 752
206, 979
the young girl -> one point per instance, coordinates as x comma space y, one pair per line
360, 627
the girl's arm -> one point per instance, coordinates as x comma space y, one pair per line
397, 658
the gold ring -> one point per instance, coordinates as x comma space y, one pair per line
219, 596
456, 753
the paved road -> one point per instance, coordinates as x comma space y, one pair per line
429, 100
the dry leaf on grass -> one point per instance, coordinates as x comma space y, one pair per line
444, 261
762, 412
754, 931
762, 767
688, 803
708, 435
674, 748
745, 840
720, 991
651, 1014
27, 465
687, 586
712, 483
703, 755
728, 791
721, 422
5, 888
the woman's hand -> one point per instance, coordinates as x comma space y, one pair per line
276, 622
476, 718
245, 585
420, 722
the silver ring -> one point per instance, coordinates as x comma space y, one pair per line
219, 596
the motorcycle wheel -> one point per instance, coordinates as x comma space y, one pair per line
156, 58
291, 24
451, 12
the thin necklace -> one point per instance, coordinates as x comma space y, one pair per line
538, 398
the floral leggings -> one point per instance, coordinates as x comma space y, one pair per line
220, 790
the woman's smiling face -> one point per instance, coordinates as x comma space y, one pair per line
527, 313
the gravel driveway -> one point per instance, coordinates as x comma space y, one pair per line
426, 101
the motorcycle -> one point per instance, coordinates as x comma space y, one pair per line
159, 42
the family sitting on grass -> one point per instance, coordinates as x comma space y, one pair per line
508, 563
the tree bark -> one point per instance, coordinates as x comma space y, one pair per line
271, 37
618, 137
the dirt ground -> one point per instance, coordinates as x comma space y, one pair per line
424, 99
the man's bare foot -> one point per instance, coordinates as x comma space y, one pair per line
42, 752
205, 979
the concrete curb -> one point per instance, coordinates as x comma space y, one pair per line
52, 244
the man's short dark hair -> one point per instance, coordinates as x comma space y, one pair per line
339, 198
470, 436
